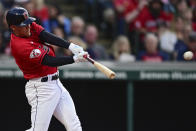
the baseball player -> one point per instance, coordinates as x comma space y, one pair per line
37, 60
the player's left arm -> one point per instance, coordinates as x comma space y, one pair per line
63, 60
55, 40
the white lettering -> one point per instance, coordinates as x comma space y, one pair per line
78, 74
154, 75
6, 73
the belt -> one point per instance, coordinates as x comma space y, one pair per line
45, 79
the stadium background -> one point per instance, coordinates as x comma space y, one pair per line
157, 96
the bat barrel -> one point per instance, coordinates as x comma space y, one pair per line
109, 73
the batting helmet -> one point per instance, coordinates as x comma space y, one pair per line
18, 16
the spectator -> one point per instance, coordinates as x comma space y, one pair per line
154, 16
167, 38
90, 11
122, 50
148, 21
57, 19
134, 12
170, 6
181, 30
127, 11
194, 19
120, 9
95, 50
152, 53
1, 15
94, 9
182, 41
178, 26
1, 43
187, 30
187, 15
192, 3
21, 2
103, 7
108, 26
76, 3
181, 6
77, 27
41, 10
30, 6
5, 36
190, 46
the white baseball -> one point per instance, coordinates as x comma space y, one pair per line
188, 55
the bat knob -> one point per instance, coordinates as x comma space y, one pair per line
85, 56
112, 76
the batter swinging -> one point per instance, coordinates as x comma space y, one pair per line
37, 60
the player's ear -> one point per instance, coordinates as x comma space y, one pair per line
13, 27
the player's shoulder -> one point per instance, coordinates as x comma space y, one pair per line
21, 44
36, 28
18, 41
21, 50
35, 25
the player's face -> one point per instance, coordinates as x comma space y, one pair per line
23, 31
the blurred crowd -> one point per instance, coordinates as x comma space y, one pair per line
137, 30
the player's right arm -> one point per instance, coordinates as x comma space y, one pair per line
63, 60
55, 40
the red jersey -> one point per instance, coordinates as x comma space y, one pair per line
128, 5
147, 21
29, 53
194, 26
42, 14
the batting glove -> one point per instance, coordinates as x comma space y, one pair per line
80, 57
75, 49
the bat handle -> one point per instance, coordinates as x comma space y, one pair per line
89, 59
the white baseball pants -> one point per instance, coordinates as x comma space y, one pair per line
47, 99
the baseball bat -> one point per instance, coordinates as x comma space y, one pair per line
109, 73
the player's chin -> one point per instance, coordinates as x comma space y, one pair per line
27, 34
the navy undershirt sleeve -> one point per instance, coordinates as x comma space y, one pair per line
57, 61
53, 39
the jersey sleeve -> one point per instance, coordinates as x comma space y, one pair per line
37, 28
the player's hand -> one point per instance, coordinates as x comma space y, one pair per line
75, 49
80, 57
142, 3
